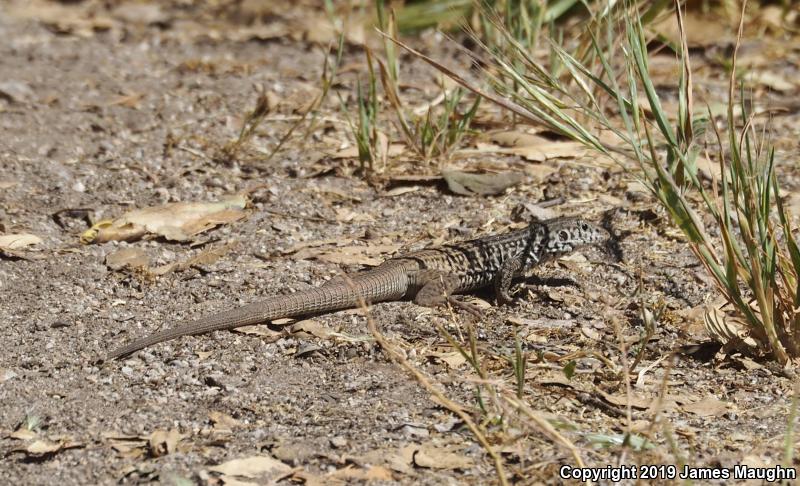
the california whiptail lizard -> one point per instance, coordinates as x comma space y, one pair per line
429, 277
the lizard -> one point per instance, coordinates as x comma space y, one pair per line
429, 277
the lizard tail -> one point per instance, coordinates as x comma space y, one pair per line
313, 301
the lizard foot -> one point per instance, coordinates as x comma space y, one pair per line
471, 308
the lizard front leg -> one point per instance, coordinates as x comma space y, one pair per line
436, 288
502, 281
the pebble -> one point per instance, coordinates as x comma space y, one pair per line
339, 442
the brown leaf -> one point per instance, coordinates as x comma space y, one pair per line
539, 172
701, 30
372, 473
261, 331
533, 147
17, 241
729, 329
707, 407
516, 139
311, 327
772, 80
22, 434
434, 457
164, 442
253, 467
205, 257
469, 184
452, 359
174, 221
46, 447
621, 400
127, 445
127, 257
708, 168
351, 152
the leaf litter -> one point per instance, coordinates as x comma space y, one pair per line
173, 221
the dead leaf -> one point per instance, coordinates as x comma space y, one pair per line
311, 327
253, 467
46, 447
174, 221
351, 152
453, 359
412, 178
261, 331
400, 190
18, 241
347, 215
469, 184
539, 172
205, 257
434, 457
621, 400
128, 445
772, 80
516, 139
372, 473
708, 169
401, 460
164, 442
531, 147
127, 257
729, 329
707, 407
22, 434
701, 30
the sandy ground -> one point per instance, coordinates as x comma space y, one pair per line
100, 115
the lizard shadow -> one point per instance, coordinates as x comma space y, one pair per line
530, 283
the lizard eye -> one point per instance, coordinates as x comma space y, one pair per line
584, 227
563, 235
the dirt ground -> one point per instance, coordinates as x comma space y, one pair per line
107, 107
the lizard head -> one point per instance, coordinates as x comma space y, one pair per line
565, 235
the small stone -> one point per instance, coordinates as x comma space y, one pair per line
338, 442
16, 91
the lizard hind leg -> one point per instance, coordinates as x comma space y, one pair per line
502, 282
436, 289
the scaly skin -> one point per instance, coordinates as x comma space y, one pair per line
429, 277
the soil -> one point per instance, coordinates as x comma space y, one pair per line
103, 111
